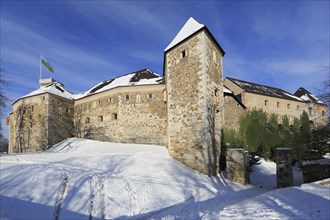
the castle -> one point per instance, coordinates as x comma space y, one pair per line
185, 109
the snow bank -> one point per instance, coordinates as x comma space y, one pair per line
81, 179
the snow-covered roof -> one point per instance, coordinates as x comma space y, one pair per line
264, 90
305, 95
142, 77
190, 27
55, 88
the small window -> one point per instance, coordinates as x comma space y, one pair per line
43, 98
99, 102
127, 97
138, 98
111, 100
216, 92
150, 96
280, 127
67, 110
266, 102
114, 116
100, 118
87, 120
184, 53
323, 113
278, 105
32, 108
31, 125
298, 107
288, 106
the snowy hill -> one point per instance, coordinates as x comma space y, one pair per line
81, 179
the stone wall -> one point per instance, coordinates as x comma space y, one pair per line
135, 114
195, 108
60, 119
28, 123
238, 166
233, 112
318, 113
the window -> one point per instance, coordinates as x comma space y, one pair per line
278, 104
43, 98
138, 98
99, 102
280, 127
111, 100
114, 116
87, 120
216, 92
323, 113
288, 106
31, 125
266, 102
150, 96
183, 54
298, 107
100, 118
32, 108
127, 97
67, 110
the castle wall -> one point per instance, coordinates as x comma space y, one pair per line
110, 116
60, 119
318, 113
194, 111
233, 113
28, 123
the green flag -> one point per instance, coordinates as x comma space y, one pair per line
46, 64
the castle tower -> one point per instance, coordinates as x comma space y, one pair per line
193, 71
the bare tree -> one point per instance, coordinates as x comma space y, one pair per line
3, 104
324, 90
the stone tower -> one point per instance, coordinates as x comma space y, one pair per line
193, 71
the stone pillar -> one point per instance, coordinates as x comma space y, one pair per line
238, 165
284, 175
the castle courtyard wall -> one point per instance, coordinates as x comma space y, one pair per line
110, 116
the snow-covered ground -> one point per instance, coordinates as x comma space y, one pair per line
81, 179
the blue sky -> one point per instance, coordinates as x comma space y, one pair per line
283, 44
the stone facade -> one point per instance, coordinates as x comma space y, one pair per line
193, 71
290, 107
233, 111
38, 122
126, 114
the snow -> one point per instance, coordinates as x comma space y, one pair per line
225, 90
292, 96
81, 179
306, 98
54, 88
190, 27
58, 89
